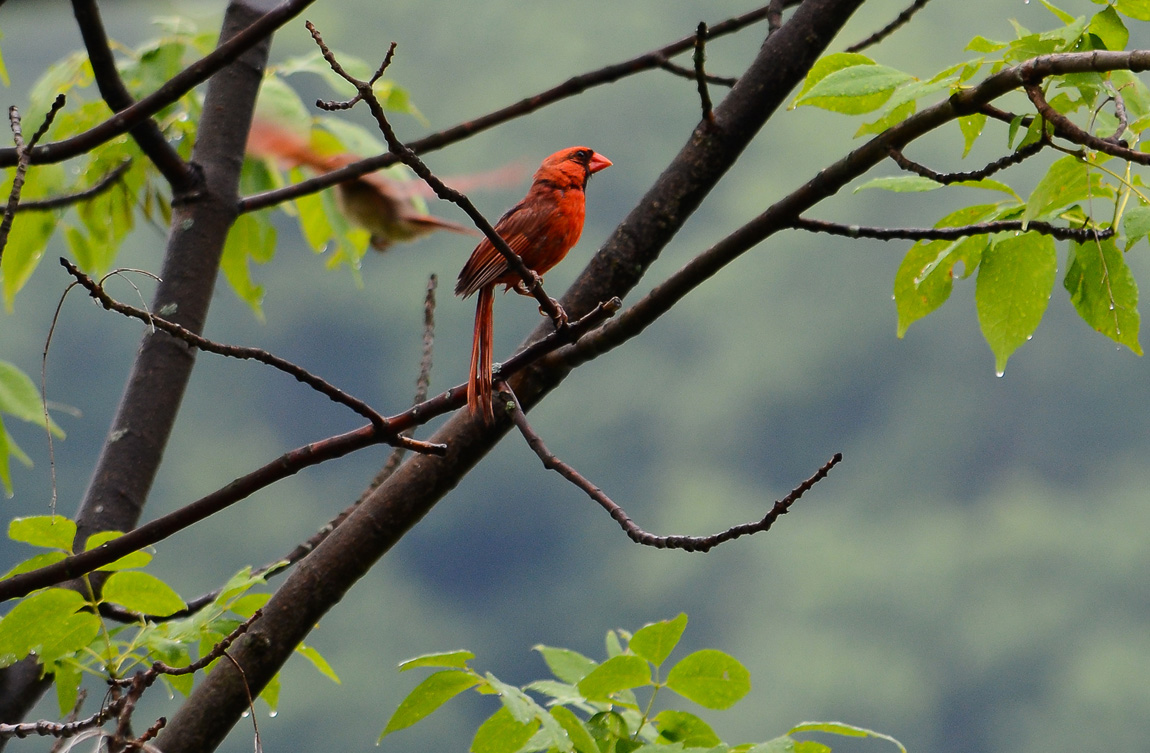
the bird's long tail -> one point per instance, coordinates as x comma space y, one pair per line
479, 381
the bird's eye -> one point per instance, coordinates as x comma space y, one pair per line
584, 155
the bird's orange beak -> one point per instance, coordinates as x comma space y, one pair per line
598, 162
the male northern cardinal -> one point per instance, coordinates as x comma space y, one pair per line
375, 202
541, 229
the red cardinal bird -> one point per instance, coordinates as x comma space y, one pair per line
380, 204
541, 229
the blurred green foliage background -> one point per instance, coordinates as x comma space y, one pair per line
972, 578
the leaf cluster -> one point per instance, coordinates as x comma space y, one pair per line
1083, 190
596, 707
67, 634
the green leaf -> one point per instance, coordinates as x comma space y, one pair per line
128, 561
611, 731
989, 184
20, 397
1104, 292
252, 237
971, 127
560, 692
855, 90
501, 733
893, 116
984, 45
617, 673
1062, 15
143, 593
567, 665
1135, 225
235, 586
687, 729
1014, 283
36, 621
429, 695
452, 659
279, 105
844, 730
66, 677
314, 221
614, 646
1136, 9
1108, 27
829, 64
48, 531
1068, 181
271, 693
522, 708
576, 731
784, 744
318, 662
710, 678
246, 605
27, 240
35, 563
901, 184
656, 641
68, 636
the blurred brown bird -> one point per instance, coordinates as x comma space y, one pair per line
383, 206
541, 228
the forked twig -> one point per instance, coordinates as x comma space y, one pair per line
633, 531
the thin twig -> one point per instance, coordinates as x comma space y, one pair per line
24, 157
633, 531
701, 73
890, 28
687, 73
160, 668
1082, 235
1120, 112
1013, 158
57, 202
